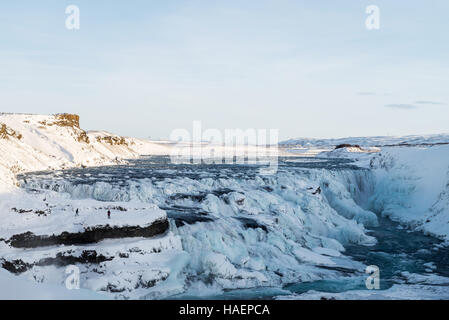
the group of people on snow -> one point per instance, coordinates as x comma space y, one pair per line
77, 213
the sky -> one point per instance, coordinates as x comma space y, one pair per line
307, 68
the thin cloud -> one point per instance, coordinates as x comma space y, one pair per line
403, 106
434, 103
366, 93
372, 93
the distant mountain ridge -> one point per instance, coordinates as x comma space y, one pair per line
375, 141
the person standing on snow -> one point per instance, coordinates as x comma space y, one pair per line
109, 214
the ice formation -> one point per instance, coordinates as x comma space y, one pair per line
180, 230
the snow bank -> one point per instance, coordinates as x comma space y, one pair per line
46, 215
413, 187
19, 288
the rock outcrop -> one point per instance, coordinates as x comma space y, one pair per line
90, 235
112, 140
6, 132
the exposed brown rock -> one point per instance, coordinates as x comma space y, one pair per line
82, 137
67, 120
113, 141
6, 132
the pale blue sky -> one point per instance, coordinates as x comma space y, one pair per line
308, 68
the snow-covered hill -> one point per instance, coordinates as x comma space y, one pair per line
44, 232
40, 142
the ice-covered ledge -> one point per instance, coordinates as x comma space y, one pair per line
33, 223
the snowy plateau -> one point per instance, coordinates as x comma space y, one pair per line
180, 231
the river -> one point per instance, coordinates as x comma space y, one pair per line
397, 249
